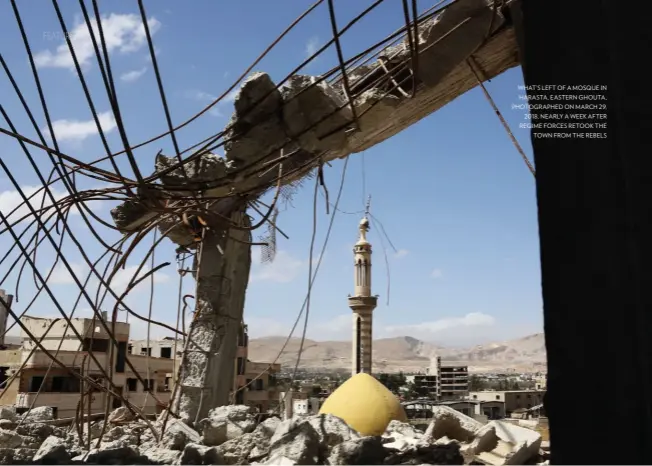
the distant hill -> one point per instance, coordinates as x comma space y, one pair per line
406, 354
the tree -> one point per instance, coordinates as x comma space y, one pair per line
393, 382
477, 383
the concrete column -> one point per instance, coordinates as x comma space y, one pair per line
207, 364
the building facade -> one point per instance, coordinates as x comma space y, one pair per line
254, 383
513, 399
41, 383
449, 382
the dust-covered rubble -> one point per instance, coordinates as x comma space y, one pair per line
231, 435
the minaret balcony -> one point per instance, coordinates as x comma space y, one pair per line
362, 302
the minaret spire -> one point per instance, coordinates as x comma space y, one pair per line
362, 303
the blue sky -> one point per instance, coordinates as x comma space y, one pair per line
452, 193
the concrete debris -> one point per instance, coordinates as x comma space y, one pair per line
40, 414
9, 439
120, 415
453, 424
315, 114
230, 435
226, 423
52, 451
8, 413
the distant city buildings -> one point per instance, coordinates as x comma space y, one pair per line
514, 400
29, 378
448, 382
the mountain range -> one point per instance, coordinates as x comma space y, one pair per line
407, 354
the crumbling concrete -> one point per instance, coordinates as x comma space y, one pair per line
318, 439
206, 375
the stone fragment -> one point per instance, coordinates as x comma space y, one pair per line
300, 444
225, 423
16, 455
120, 455
485, 440
428, 454
364, 450
9, 439
40, 414
454, 46
281, 461
451, 423
162, 456
120, 415
8, 413
257, 98
52, 451
177, 435
129, 215
39, 430
402, 428
200, 454
315, 114
204, 168
524, 443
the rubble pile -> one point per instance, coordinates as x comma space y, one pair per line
231, 435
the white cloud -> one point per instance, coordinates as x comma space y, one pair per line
61, 275
77, 131
435, 327
436, 273
122, 278
133, 75
312, 46
124, 33
283, 269
11, 199
401, 253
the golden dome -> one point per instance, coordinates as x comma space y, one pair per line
364, 404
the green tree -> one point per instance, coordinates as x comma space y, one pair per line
393, 382
316, 389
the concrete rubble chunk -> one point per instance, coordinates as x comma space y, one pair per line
364, 450
452, 48
319, 107
53, 451
9, 439
453, 424
300, 444
39, 430
120, 415
177, 435
225, 423
200, 454
162, 456
402, 428
375, 108
17, 455
257, 98
255, 130
427, 454
120, 455
515, 445
485, 440
40, 414
129, 214
8, 413
205, 168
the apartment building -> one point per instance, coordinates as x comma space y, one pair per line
254, 383
513, 399
42, 383
443, 382
453, 381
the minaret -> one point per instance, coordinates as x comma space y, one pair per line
362, 303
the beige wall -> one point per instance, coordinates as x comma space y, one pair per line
513, 399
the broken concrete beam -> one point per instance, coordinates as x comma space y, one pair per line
130, 215
207, 364
317, 108
256, 127
455, 47
205, 168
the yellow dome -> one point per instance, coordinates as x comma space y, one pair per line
365, 404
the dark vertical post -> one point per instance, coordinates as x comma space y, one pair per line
595, 224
